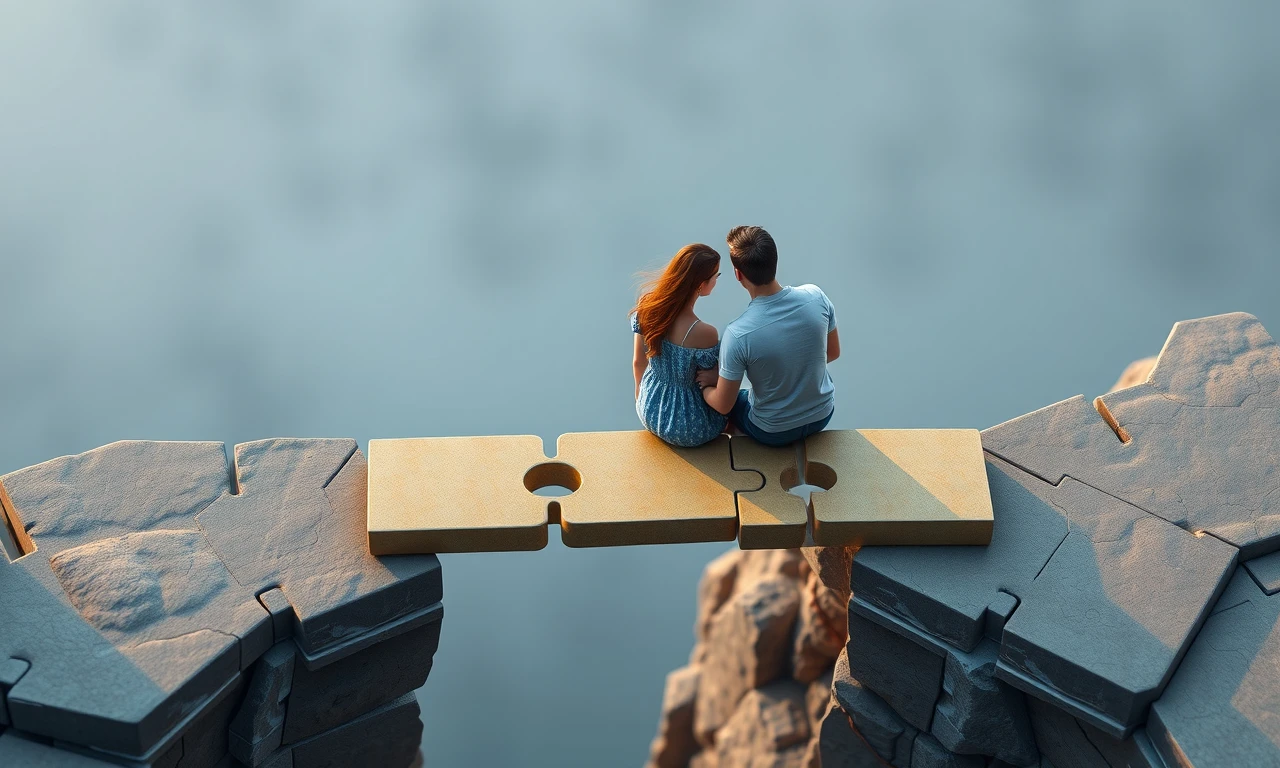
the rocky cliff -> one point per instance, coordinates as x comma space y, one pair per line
157, 609
1125, 615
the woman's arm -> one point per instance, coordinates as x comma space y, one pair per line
639, 362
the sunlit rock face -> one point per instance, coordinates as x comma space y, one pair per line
1126, 612
159, 608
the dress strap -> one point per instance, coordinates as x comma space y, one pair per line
686, 333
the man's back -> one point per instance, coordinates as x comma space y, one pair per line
780, 343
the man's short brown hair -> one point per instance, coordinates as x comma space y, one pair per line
753, 253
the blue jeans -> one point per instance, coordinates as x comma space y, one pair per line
743, 407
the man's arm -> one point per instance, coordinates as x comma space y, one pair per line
723, 395
833, 344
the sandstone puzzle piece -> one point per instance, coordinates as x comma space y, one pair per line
470, 494
898, 486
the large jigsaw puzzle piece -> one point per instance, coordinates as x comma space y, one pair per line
297, 530
769, 517
469, 494
1092, 600
1222, 708
1197, 444
898, 486
124, 637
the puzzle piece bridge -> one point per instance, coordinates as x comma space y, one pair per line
477, 494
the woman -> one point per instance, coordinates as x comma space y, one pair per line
671, 343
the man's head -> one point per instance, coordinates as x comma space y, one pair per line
754, 256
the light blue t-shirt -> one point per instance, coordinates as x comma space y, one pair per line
780, 343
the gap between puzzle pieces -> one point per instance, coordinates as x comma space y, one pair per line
476, 494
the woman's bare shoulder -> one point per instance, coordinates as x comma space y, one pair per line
703, 335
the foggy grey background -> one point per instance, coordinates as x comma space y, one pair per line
249, 219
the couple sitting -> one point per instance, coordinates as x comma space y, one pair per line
782, 341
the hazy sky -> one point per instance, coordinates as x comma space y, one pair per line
249, 219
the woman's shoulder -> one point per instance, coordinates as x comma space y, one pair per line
703, 335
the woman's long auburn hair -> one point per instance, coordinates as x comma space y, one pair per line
666, 295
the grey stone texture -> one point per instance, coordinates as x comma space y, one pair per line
1109, 596
1198, 444
927, 752
1069, 743
1222, 708
873, 720
978, 714
1265, 570
168, 617
906, 675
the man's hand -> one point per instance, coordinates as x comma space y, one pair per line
706, 377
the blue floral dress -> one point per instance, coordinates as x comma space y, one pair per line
670, 404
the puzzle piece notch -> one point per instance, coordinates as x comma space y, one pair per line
299, 524
898, 487
1108, 596
1196, 444
626, 488
770, 517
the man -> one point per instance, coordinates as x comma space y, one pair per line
782, 342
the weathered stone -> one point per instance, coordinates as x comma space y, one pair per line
926, 752
769, 728
832, 565
163, 648
901, 672
1136, 373
818, 696
1068, 743
389, 736
675, 744
1198, 444
325, 698
19, 751
1102, 619
980, 715
1265, 571
344, 599
1222, 707
748, 646
11, 671
838, 745
820, 632
873, 720
258, 726
715, 587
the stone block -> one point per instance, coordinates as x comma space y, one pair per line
1265, 570
749, 646
1108, 596
257, 729
675, 743
324, 698
389, 736
978, 714
927, 752
769, 727
298, 523
1197, 444
23, 752
872, 719
1222, 707
907, 676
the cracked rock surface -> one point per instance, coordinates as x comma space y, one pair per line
1125, 615
164, 609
